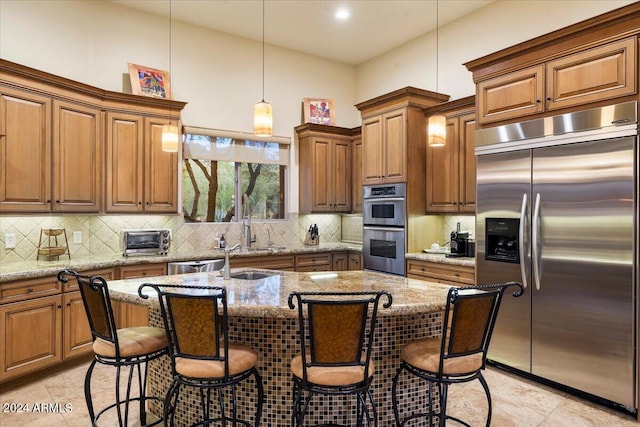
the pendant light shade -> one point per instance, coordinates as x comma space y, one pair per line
262, 119
170, 138
437, 131
262, 111
437, 125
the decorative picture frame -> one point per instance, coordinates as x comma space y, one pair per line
319, 110
149, 81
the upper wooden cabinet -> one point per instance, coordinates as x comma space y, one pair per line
52, 147
594, 61
140, 176
325, 168
451, 170
393, 135
25, 151
356, 170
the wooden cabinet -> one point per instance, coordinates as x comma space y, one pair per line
42, 322
356, 171
77, 158
571, 80
451, 170
447, 274
128, 315
31, 335
340, 261
314, 262
52, 147
140, 176
51, 154
325, 168
25, 151
393, 136
384, 147
272, 262
355, 261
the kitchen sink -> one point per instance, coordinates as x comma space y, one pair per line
252, 275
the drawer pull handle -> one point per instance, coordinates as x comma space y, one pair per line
29, 290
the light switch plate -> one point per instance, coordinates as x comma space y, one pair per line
9, 241
77, 237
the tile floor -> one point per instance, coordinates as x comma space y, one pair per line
516, 402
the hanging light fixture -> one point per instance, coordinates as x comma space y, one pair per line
437, 124
170, 133
262, 111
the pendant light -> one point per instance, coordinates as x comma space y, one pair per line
170, 133
262, 111
437, 124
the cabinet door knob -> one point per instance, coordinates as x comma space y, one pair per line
538, 101
548, 98
68, 304
59, 306
29, 290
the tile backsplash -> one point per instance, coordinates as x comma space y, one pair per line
101, 234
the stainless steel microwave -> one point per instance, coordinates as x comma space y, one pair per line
146, 242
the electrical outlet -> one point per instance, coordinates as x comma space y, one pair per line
77, 237
9, 241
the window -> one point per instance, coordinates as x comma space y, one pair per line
221, 167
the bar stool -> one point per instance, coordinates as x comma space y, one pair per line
336, 341
460, 354
195, 320
127, 347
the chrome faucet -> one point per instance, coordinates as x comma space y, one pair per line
226, 270
246, 221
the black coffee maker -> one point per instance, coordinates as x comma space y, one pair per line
459, 244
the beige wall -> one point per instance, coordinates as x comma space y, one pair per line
496, 26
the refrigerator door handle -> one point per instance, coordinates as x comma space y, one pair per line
534, 242
523, 268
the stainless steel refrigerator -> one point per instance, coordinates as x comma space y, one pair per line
556, 210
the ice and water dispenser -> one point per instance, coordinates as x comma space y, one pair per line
502, 240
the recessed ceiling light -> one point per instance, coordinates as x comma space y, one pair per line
342, 14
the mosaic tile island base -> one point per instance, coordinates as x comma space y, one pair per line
259, 316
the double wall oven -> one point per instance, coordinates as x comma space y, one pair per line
384, 216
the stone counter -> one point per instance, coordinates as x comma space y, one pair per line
41, 268
259, 316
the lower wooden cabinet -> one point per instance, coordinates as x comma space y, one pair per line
275, 262
42, 323
447, 274
355, 261
31, 335
128, 315
314, 262
340, 262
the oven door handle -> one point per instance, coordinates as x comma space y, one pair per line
387, 199
378, 228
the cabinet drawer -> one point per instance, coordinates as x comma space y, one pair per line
277, 262
26, 289
311, 260
441, 273
143, 270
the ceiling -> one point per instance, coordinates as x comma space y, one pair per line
309, 26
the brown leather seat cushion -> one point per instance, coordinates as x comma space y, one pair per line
425, 354
135, 341
331, 375
241, 359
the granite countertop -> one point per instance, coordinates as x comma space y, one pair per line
268, 297
41, 268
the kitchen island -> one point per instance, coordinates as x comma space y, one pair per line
259, 316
